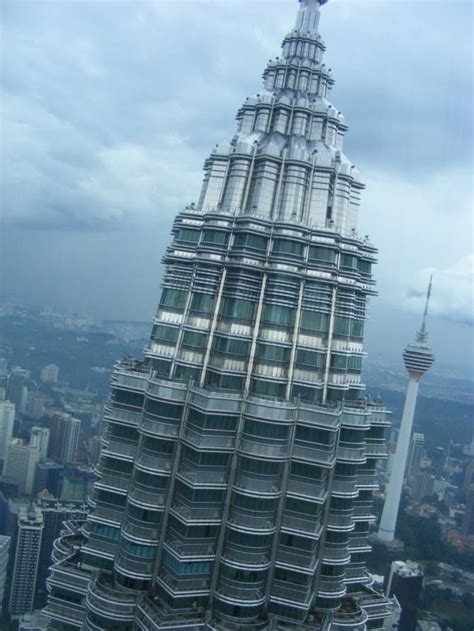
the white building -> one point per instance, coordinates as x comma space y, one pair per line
20, 464
50, 373
40, 438
7, 418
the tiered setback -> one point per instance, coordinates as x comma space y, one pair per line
238, 459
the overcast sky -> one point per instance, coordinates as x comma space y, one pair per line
109, 109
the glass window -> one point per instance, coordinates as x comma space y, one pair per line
165, 333
272, 353
231, 346
167, 410
364, 266
322, 254
342, 325
314, 321
264, 467
173, 298
285, 246
267, 388
187, 373
354, 362
238, 309
188, 235
339, 361
250, 241
265, 430
201, 303
161, 367
212, 421
313, 435
276, 314
357, 328
215, 237
194, 340
311, 360
349, 261
138, 550
226, 382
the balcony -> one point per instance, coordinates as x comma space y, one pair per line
316, 456
249, 445
107, 515
304, 560
258, 483
193, 586
240, 591
342, 520
344, 488
336, 554
249, 557
354, 454
363, 512
319, 417
359, 544
63, 611
197, 513
107, 601
140, 530
357, 574
331, 588
215, 401
151, 461
120, 449
355, 418
203, 477
153, 427
290, 592
166, 390
186, 549
151, 616
124, 417
100, 547
132, 567
251, 521
314, 489
148, 498
349, 617
367, 481
111, 480
209, 442
302, 524
376, 449
281, 412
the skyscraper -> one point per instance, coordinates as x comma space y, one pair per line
50, 373
64, 439
418, 359
7, 419
40, 438
27, 550
405, 581
415, 453
238, 462
20, 464
4, 551
17, 391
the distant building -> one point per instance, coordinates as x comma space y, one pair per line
20, 464
4, 551
50, 374
422, 485
25, 568
17, 392
78, 483
405, 581
49, 476
65, 435
7, 418
40, 438
468, 522
35, 404
33, 622
468, 477
415, 453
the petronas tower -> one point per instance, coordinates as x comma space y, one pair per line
234, 488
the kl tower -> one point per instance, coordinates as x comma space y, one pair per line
418, 358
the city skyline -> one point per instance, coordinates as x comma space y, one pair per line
408, 137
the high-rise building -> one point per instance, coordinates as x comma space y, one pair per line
36, 403
4, 552
25, 568
468, 521
33, 622
238, 459
50, 374
422, 485
415, 453
405, 581
40, 438
418, 358
49, 476
20, 464
7, 418
17, 391
65, 436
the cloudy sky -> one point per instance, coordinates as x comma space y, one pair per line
110, 107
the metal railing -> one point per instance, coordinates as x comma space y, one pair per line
300, 524
209, 441
322, 456
246, 556
259, 483
240, 591
269, 450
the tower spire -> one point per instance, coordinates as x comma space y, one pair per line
422, 334
308, 16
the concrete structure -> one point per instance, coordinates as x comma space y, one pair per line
4, 552
20, 464
40, 438
33, 622
405, 581
65, 436
7, 418
238, 459
50, 373
25, 568
417, 358
415, 453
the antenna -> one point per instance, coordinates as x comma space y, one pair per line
422, 334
